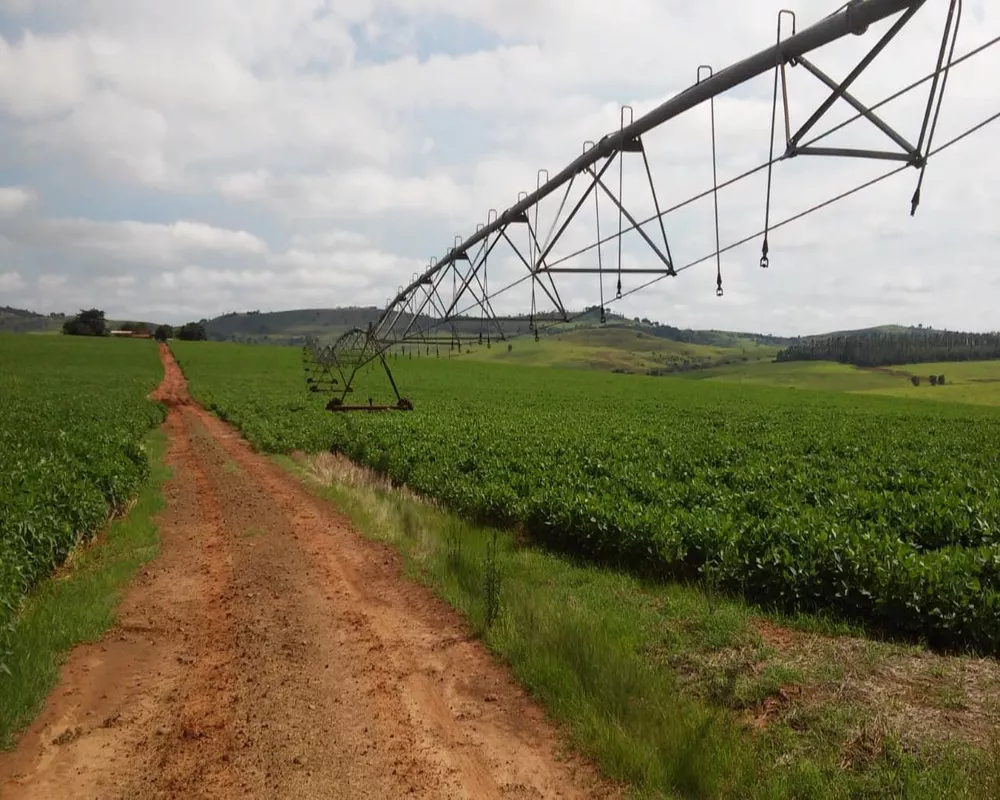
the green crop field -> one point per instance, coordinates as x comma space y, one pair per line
72, 419
881, 510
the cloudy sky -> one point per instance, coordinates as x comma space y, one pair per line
179, 160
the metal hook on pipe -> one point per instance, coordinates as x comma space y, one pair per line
589, 145
794, 62
715, 187
536, 248
521, 196
482, 305
630, 113
765, 260
432, 262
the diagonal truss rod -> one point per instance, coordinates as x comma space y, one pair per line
839, 90
862, 109
646, 237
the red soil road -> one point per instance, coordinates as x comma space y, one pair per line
270, 652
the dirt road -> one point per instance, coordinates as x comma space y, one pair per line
270, 652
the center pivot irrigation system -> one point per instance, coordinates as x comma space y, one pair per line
452, 303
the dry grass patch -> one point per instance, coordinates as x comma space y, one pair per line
914, 694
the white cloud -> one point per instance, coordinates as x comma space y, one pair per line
11, 281
331, 240
134, 242
52, 283
14, 199
121, 283
353, 192
42, 76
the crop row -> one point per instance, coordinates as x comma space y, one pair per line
880, 510
72, 423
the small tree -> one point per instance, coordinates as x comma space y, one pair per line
87, 323
163, 332
915, 380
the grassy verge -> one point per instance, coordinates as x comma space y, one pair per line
78, 603
682, 693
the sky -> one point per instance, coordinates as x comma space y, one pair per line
176, 161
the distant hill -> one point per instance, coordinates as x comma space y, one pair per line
17, 320
619, 343
625, 344
879, 347
878, 329
622, 348
326, 324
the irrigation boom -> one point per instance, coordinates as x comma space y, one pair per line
425, 313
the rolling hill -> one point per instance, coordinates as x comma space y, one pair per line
289, 326
325, 324
17, 320
622, 349
328, 323
621, 344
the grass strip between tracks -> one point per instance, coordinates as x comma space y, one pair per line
666, 688
77, 604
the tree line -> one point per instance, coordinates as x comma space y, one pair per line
882, 348
92, 322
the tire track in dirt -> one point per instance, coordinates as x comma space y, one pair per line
271, 652
195, 745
